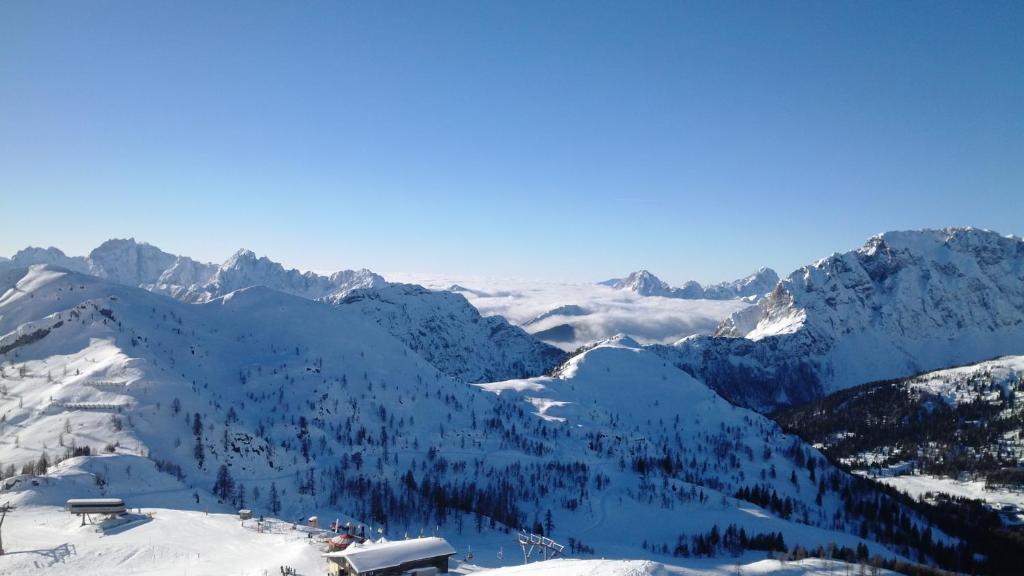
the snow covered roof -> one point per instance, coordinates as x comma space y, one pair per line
376, 556
95, 502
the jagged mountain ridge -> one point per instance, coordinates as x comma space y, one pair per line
322, 406
443, 327
644, 283
904, 303
124, 261
245, 269
133, 263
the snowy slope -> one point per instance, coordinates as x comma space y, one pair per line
563, 567
43, 539
909, 301
626, 402
451, 334
441, 327
162, 537
321, 407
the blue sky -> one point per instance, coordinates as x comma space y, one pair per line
558, 140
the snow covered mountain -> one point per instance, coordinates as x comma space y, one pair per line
442, 327
564, 310
640, 282
296, 407
34, 255
904, 303
644, 283
755, 285
245, 269
129, 262
446, 330
124, 261
139, 264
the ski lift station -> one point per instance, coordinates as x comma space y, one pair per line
85, 507
415, 557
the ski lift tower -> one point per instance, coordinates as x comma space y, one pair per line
4, 509
529, 542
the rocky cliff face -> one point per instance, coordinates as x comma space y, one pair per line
904, 303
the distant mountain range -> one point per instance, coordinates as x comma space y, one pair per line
126, 261
644, 283
441, 326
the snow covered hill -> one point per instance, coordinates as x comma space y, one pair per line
444, 329
644, 283
296, 407
713, 459
904, 303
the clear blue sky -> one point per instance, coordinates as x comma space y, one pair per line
550, 139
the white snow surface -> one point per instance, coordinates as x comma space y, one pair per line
919, 485
569, 567
169, 542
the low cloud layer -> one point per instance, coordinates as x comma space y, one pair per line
647, 319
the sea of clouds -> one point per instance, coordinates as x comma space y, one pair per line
609, 312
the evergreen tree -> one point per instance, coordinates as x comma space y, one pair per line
42, 465
274, 500
198, 452
224, 486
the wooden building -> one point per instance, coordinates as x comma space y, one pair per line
419, 556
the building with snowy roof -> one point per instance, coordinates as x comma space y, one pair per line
419, 556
